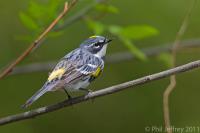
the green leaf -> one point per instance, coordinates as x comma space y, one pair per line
107, 8
137, 52
44, 13
28, 21
114, 29
138, 32
97, 27
54, 6
117, 30
36, 10
166, 58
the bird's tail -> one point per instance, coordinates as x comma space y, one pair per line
38, 94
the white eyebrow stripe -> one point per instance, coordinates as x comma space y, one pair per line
101, 41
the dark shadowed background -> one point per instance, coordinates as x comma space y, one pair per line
126, 111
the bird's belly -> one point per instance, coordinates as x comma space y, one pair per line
76, 86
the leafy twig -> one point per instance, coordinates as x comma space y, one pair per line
99, 93
37, 42
172, 83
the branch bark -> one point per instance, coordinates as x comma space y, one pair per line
37, 42
99, 93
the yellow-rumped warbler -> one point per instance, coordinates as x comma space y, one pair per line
77, 69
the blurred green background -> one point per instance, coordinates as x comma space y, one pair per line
127, 111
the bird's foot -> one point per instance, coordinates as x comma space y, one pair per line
88, 91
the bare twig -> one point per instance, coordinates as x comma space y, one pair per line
113, 58
102, 92
36, 43
172, 83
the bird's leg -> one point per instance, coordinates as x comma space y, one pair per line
69, 97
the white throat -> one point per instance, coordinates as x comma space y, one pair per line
102, 52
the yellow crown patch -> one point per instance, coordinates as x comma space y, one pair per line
92, 36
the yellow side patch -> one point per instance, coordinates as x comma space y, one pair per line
97, 72
56, 74
92, 36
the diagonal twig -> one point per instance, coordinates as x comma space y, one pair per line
172, 83
37, 42
99, 93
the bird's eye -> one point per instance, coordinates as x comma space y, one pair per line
96, 44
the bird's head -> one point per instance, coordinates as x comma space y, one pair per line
96, 45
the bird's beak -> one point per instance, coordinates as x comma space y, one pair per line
108, 40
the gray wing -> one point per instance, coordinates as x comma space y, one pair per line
76, 65
83, 64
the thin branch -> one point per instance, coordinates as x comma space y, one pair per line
172, 83
113, 58
99, 93
37, 42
